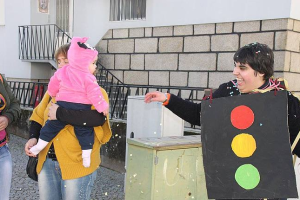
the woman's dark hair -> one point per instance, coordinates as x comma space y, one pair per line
259, 56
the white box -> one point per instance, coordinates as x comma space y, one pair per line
151, 119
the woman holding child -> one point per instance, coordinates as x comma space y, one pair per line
60, 168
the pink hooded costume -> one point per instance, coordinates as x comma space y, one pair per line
74, 82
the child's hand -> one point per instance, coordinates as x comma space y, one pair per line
105, 112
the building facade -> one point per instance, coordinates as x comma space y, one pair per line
175, 43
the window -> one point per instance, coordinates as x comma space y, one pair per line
122, 10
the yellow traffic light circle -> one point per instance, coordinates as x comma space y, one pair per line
243, 145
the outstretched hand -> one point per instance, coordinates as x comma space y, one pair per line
155, 96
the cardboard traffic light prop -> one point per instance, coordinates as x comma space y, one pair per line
246, 147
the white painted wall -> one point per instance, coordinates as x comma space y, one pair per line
37, 18
22, 13
2, 12
41, 70
295, 9
92, 19
16, 13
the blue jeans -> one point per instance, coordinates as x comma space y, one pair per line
5, 172
53, 187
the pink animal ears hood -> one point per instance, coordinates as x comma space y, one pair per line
80, 54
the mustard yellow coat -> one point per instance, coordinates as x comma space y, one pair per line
67, 148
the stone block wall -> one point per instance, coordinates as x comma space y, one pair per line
199, 55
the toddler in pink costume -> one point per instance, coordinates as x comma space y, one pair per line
75, 87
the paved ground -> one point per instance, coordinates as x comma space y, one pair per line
108, 186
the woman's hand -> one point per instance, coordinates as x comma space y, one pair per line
155, 96
30, 143
3, 123
52, 111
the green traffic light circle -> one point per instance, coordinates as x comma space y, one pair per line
247, 176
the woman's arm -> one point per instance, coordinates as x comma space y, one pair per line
37, 119
294, 120
89, 118
293, 114
13, 111
184, 109
34, 130
190, 111
34, 134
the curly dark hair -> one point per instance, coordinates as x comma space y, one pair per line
259, 56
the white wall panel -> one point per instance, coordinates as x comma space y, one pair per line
92, 19
16, 13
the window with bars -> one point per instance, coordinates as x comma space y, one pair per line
62, 15
122, 10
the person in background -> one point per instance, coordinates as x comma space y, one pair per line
60, 172
253, 69
9, 112
61, 55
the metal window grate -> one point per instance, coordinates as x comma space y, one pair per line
62, 14
122, 10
